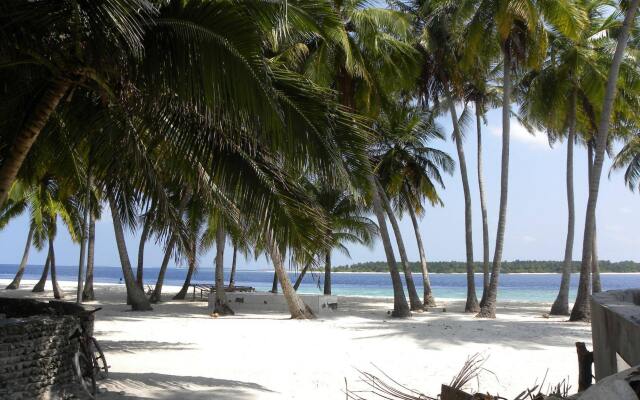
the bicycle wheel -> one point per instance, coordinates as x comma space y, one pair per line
100, 362
84, 369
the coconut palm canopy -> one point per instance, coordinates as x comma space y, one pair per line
284, 125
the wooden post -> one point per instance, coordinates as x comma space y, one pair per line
585, 361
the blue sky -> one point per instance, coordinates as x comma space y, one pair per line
536, 222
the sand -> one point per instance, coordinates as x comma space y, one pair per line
178, 351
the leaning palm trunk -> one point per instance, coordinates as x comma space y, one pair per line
232, 275
301, 277
58, 293
135, 295
27, 136
274, 285
15, 283
561, 304
483, 211
400, 306
489, 308
297, 308
220, 307
595, 267
596, 286
87, 292
39, 287
156, 296
327, 274
414, 300
429, 300
472, 299
192, 267
582, 308
143, 240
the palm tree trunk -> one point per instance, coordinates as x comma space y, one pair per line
582, 308
156, 296
33, 125
429, 300
489, 309
84, 237
483, 210
561, 304
274, 285
187, 281
596, 286
301, 277
414, 300
472, 300
58, 293
327, 274
39, 287
596, 283
23, 263
297, 308
87, 293
221, 307
232, 276
135, 294
400, 306
143, 240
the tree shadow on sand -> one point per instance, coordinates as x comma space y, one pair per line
174, 387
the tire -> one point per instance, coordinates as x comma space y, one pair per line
100, 362
84, 369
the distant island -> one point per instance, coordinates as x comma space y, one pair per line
517, 266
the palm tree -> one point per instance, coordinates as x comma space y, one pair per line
551, 102
483, 94
520, 29
135, 295
15, 283
414, 300
15, 206
297, 308
409, 169
400, 306
346, 224
221, 307
157, 291
441, 42
582, 308
87, 292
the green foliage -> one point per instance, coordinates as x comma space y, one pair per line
517, 266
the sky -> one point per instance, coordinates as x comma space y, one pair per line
536, 220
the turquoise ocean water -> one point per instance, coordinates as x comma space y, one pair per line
513, 287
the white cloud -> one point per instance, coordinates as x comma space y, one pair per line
520, 134
528, 239
626, 210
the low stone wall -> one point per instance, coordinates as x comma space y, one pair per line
36, 348
615, 326
257, 302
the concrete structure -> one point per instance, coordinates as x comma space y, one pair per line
257, 302
621, 386
615, 325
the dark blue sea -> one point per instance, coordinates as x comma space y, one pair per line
513, 287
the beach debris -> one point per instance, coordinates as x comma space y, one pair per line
382, 386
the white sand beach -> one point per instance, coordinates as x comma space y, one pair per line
178, 351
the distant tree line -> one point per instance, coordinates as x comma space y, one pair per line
517, 266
